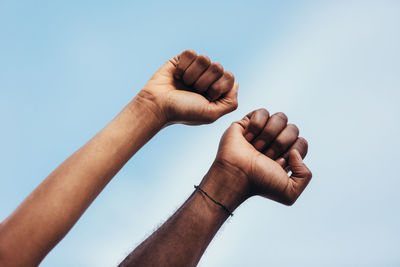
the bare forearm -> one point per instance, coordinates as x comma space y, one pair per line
52, 209
182, 240
239, 171
65, 194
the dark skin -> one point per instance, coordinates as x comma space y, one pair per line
253, 158
52, 209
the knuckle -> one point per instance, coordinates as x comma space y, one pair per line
229, 75
216, 68
294, 128
189, 53
263, 111
203, 60
281, 115
303, 143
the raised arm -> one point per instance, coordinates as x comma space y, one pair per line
251, 160
187, 89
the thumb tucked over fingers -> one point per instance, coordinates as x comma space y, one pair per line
301, 175
229, 102
296, 164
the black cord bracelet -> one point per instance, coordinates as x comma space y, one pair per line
213, 200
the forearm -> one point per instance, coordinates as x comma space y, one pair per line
59, 201
183, 238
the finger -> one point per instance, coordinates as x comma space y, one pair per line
193, 72
283, 141
258, 119
301, 145
274, 126
221, 86
183, 62
226, 104
299, 179
213, 73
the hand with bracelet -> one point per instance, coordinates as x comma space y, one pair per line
253, 158
187, 89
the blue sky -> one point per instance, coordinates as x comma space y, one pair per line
67, 68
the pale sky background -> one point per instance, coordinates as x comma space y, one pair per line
67, 68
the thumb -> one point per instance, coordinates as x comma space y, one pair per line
169, 66
301, 175
228, 103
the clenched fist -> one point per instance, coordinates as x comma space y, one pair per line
254, 157
191, 89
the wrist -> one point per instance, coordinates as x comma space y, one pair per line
150, 108
225, 186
